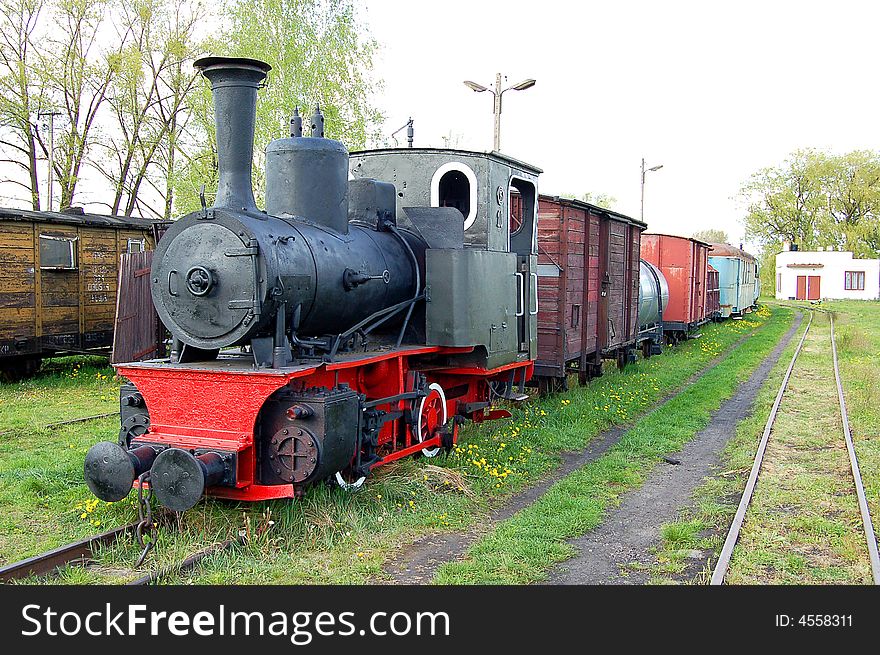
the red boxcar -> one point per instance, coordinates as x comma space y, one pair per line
713, 293
685, 263
588, 289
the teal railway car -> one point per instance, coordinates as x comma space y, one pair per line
738, 279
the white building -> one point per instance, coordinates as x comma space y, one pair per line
813, 275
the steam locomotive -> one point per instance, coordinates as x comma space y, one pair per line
381, 300
352, 323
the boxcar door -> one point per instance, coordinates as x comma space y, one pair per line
814, 287
699, 282
603, 329
801, 288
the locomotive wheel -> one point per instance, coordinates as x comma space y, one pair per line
431, 417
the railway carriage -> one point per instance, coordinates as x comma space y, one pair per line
58, 282
684, 263
588, 289
738, 278
653, 299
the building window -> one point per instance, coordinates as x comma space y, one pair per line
135, 245
57, 253
854, 281
778, 282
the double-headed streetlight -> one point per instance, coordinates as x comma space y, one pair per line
498, 92
646, 170
50, 127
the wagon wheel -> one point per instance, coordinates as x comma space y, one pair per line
431, 413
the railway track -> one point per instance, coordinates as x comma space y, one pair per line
723, 564
71, 421
82, 552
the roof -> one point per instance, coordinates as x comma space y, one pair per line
676, 236
596, 209
65, 218
452, 151
727, 250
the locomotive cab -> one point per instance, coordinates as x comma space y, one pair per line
482, 271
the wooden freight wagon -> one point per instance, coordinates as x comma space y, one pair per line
684, 263
588, 289
58, 282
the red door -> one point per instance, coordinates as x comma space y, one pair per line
801, 287
814, 287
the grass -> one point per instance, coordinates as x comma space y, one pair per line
42, 495
803, 525
857, 325
329, 536
523, 548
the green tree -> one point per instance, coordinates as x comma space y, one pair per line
787, 203
852, 186
598, 199
147, 100
711, 236
320, 53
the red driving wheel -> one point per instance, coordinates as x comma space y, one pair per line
431, 417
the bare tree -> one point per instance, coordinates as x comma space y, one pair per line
147, 101
21, 94
78, 74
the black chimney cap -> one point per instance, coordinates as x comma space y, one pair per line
206, 62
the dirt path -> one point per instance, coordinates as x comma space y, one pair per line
625, 537
417, 563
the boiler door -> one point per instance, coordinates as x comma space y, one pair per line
205, 284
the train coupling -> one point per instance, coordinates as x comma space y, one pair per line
110, 470
178, 477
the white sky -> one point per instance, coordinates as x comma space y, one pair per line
713, 91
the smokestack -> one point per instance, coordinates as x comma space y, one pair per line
234, 83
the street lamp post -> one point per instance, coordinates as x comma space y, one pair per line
646, 170
51, 115
498, 92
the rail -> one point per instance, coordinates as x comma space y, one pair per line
80, 553
723, 564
